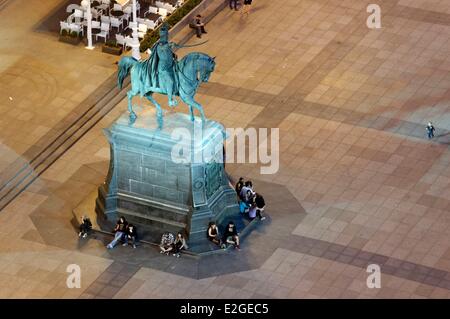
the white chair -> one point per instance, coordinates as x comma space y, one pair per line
152, 10
166, 6
162, 12
95, 24
120, 39
105, 19
116, 23
150, 24
105, 25
128, 41
142, 30
117, 7
104, 32
169, 8
64, 26
76, 28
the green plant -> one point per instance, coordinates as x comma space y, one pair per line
152, 36
111, 43
74, 34
64, 33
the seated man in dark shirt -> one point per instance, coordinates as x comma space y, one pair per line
230, 236
85, 227
131, 235
198, 25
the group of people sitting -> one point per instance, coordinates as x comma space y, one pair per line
124, 232
230, 235
171, 244
249, 201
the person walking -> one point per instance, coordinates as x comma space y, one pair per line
247, 6
430, 130
233, 4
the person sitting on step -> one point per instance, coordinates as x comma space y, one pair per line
213, 233
179, 244
257, 207
166, 245
231, 236
85, 226
239, 186
131, 235
119, 230
198, 25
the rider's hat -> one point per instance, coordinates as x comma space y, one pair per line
164, 29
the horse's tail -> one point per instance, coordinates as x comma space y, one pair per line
125, 65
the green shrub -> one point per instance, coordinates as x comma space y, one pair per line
111, 43
152, 36
64, 33
74, 34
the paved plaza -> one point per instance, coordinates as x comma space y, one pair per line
359, 183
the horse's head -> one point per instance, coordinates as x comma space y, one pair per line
206, 67
196, 67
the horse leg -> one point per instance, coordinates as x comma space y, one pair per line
189, 100
153, 101
191, 111
133, 115
168, 85
186, 101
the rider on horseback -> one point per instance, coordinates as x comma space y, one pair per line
162, 73
164, 60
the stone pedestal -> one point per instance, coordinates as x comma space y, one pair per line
167, 178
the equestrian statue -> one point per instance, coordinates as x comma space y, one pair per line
162, 73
